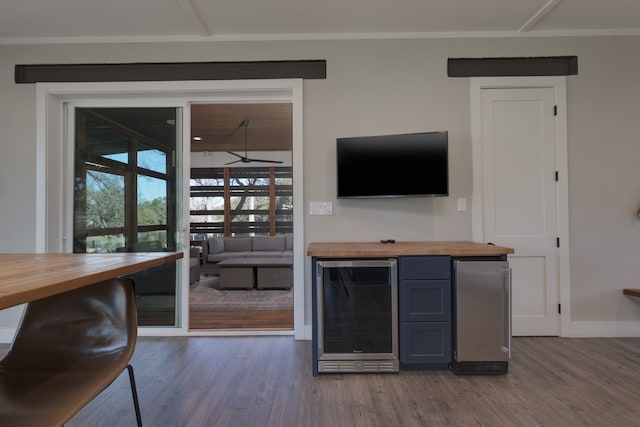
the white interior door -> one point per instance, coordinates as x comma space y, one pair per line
519, 199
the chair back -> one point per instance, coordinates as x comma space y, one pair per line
68, 349
88, 322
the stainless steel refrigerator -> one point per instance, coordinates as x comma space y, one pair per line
482, 310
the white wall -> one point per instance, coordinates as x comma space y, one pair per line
399, 86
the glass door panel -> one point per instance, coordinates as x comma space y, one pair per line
125, 196
104, 212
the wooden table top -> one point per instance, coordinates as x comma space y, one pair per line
377, 249
27, 277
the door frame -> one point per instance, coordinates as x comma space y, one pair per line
52, 176
558, 84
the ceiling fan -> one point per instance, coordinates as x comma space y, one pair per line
246, 159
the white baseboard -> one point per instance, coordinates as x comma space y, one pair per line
601, 330
308, 329
573, 330
7, 334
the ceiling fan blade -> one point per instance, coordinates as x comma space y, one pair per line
235, 161
237, 155
249, 159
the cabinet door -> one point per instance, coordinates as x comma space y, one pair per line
425, 300
426, 342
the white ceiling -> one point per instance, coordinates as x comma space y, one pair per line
58, 21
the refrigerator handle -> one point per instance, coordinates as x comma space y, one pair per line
508, 311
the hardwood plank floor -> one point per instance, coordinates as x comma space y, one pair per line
265, 320
267, 381
246, 319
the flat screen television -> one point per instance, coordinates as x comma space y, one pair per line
405, 165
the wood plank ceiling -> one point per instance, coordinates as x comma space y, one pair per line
218, 127
214, 127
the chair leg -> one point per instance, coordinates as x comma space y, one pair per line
136, 404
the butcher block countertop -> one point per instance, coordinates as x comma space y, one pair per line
377, 249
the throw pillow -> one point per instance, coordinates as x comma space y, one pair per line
216, 245
268, 243
237, 244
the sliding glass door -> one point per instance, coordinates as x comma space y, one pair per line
61, 215
125, 195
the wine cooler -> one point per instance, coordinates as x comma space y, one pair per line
356, 314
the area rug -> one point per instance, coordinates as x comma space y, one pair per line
205, 297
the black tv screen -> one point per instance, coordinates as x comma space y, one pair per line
406, 165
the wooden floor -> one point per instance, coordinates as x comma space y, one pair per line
245, 320
266, 320
267, 381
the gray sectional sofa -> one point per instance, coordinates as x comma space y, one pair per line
216, 249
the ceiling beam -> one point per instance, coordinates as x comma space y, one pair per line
539, 15
167, 71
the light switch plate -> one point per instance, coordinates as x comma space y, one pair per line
320, 208
462, 205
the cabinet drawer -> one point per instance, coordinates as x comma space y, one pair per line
425, 300
425, 342
425, 267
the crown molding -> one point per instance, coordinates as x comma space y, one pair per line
630, 32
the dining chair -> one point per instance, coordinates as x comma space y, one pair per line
68, 349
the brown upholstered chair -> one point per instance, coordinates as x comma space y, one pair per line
68, 349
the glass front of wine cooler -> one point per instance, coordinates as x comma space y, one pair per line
357, 315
